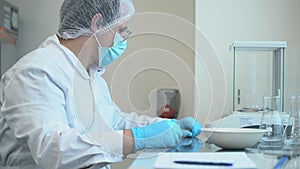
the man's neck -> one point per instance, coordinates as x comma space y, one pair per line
83, 48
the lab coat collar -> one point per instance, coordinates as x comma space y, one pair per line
53, 40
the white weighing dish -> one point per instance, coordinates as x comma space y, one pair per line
233, 138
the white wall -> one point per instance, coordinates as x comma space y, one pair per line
249, 20
161, 44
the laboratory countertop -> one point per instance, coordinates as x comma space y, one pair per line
146, 159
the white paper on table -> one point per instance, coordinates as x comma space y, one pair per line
240, 160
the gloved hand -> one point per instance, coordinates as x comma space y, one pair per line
162, 134
190, 124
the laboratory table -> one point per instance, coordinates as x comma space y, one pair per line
146, 159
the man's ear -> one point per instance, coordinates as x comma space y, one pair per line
96, 22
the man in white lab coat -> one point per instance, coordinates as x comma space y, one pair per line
56, 109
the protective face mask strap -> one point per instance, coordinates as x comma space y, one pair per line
97, 39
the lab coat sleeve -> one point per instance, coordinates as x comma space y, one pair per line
121, 120
34, 107
130, 120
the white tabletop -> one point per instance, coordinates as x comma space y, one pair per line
146, 159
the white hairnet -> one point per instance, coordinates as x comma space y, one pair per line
76, 16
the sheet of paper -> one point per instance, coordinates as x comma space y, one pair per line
239, 160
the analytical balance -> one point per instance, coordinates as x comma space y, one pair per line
258, 71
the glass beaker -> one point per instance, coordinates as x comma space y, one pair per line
271, 121
292, 130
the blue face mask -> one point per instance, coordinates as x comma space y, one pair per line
107, 55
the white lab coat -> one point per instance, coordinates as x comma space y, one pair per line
55, 114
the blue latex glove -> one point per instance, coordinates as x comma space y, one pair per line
191, 124
162, 134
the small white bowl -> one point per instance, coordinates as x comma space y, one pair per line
233, 138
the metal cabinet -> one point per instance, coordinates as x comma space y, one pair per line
9, 29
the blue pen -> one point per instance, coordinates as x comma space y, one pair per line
203, 163
282, 161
